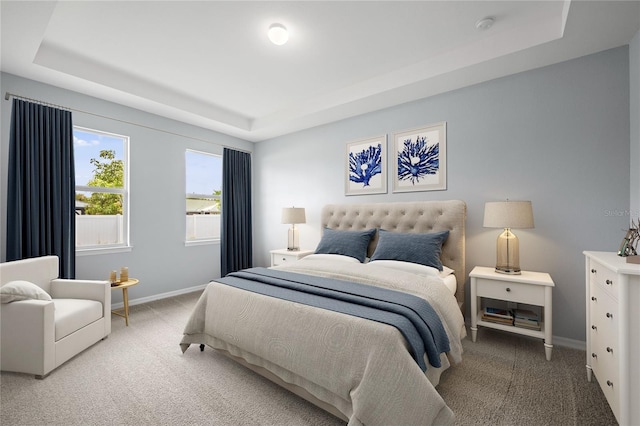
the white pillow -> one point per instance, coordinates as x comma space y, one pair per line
414, 268
334, 257
21, 290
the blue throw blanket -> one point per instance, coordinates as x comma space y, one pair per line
412, 316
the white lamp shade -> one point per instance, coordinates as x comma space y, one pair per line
293, 215
508, 214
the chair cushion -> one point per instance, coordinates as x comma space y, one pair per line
22, 290
73, 314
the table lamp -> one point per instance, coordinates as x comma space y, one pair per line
508, 215
293, 215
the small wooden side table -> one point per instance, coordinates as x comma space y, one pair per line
124, 285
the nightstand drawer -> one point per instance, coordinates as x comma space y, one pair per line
280, 258
283, 256
512, 292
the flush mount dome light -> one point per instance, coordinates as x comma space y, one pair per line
278, 34
485, 23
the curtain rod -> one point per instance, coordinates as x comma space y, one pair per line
8, 95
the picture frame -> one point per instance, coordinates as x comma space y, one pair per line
420, 159
366, 166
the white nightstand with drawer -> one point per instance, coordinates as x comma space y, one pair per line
280, 256
530, 288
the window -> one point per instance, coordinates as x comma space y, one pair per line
102, 189
203, 196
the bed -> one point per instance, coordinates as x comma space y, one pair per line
363, 371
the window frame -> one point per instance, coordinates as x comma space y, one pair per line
125, 245
200, 241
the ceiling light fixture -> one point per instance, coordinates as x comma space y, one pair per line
485, 23
278, 34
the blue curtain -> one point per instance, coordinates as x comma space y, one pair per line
41, 185
236, 235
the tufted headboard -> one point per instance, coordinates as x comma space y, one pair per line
415, 217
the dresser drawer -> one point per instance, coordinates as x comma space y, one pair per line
523, 293
605, 368
604, 277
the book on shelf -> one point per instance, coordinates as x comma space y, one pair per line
525, 314
530, 325
497, 313
497, 320
526, 319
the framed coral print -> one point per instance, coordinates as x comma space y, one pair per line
420, 159
366, 166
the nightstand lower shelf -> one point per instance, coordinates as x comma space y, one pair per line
539, 334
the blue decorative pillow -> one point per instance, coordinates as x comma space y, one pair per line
424, 249
347, 243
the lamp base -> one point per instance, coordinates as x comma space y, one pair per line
508, 271
507, 254
292, 239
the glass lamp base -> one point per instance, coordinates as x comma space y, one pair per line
509, 271
508, 254
292, 239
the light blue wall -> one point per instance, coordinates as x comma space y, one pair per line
634, 83
558, 136
159, 257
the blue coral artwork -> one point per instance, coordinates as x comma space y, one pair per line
366, 171
420, 159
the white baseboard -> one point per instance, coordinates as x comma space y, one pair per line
570, 343
557, 340
158, 296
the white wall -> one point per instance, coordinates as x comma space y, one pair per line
159, 257
634, 86
558, 136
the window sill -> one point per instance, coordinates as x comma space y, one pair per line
102, 250
190, 243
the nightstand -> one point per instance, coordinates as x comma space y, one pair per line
280, 256
531, 288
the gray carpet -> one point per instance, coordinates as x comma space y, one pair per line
139, 376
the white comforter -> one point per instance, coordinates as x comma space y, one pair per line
361, 367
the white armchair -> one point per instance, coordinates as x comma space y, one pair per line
39, 335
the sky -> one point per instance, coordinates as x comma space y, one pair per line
204, 171
87, 145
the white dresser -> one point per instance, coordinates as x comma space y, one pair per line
613, 331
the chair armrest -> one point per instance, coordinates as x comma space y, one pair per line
81, 289
28, 336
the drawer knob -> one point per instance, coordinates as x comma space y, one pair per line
593, 271
609, 383
609, 349
593, 327
609, 315
609, 282
595, 299
508, 289
594, 355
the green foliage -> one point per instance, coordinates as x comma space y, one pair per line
107, 173
218, 201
